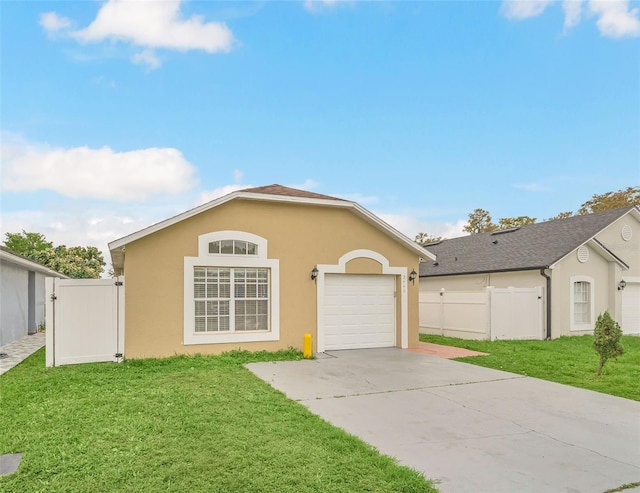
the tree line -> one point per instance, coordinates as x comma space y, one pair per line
88, 263
480, 220
77, 262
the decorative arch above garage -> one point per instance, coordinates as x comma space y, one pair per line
358, 310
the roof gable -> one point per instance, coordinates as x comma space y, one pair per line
271, 193
529, 247
283, 191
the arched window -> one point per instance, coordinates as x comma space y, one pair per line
233, 247
231, 290
582, 306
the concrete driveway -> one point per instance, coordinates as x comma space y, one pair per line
472, 429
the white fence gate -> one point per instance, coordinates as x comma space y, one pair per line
85, 320
492, 313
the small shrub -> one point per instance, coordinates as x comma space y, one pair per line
606, 341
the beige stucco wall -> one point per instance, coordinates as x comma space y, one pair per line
628, 251
606, 274
299, 235
601, 270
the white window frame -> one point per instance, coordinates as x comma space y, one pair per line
576, 326
206, 259
341, 268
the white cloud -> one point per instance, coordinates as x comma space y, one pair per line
315, 6
82, 172
85, 226
523, 9
308, 184
410, 225
149, 24
53, 23
156, 24
147, 57
209, 195
615, 18
572, 12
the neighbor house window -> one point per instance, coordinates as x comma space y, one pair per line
231, 290
582, 302
218, 308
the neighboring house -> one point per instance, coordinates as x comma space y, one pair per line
580, 266
259, 268
21, 295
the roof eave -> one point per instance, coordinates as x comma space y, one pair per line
30, 264
635, 211
116, 247
390, 230
605, 252
467, 273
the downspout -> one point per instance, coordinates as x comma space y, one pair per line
548, 278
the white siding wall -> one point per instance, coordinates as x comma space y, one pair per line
14, 302
40, 298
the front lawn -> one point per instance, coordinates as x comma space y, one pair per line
196, 424
568, 360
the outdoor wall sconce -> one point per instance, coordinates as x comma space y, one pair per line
412, 276
621, 285
314, 274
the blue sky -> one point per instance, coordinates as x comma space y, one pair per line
118, 114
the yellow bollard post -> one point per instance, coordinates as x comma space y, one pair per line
306, 347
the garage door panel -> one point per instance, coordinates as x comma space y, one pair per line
359, 311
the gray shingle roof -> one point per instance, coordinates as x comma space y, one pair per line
276, 189
530, 247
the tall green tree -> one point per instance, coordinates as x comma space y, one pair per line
514, 222
561, 215
424, 238
611, 200
77, 262
479, 222
26, 243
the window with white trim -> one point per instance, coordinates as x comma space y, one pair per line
582, 299
233, 247
582, 302
231, 290
218, 308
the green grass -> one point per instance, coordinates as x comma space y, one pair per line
182, 424
567, 360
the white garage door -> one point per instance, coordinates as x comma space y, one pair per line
359, 311
631, 308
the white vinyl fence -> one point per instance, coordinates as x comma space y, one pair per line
492, 313
84, 321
